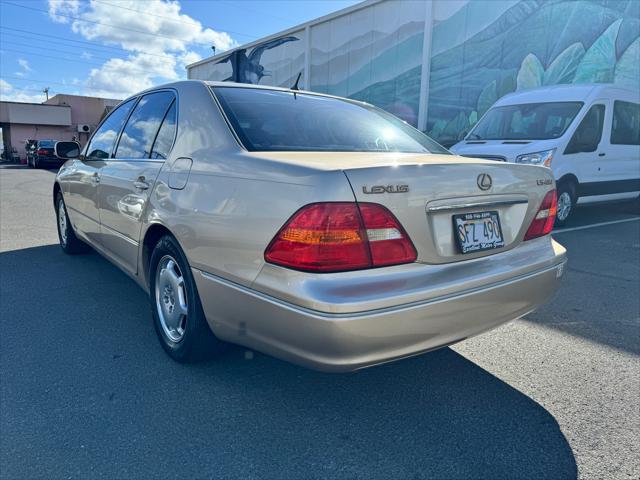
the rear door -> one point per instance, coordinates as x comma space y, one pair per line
83, 176
128, 177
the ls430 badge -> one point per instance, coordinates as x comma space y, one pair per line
385, 189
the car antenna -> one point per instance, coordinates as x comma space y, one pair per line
295, 85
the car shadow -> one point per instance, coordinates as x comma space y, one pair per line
88, 391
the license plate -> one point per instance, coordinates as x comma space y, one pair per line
478, 231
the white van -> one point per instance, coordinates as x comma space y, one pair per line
589, 135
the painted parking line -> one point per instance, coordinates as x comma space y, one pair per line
594, 225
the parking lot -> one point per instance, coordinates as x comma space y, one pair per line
87, 391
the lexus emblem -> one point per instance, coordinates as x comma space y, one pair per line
484, 181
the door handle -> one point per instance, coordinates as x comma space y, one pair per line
95, 178
141, 183
601, 154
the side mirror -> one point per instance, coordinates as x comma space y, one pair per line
67, 150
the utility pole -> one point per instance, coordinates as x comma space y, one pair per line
46, 92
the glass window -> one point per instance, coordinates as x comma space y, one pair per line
166, 134
271, 120
625, 129
103, 140
140, 131
529, 121
587, 136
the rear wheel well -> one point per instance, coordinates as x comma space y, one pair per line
154, 233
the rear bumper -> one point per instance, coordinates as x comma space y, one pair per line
50, 161
350, 341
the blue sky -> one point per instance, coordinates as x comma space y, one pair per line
113, 48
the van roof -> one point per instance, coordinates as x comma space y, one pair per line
568, 93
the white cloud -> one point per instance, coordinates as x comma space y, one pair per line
86, 55
161, 41
24, 64
58, 8
120, 78
15, 94
159, 29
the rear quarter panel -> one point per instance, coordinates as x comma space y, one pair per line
233, 203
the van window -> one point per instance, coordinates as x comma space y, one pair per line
528, 121
105, 137
140, 132
625, 129
587, 136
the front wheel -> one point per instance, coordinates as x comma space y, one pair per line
178, 316
566, 203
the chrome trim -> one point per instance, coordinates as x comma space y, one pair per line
457, 206
120, 235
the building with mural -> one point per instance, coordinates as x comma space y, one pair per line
441, 64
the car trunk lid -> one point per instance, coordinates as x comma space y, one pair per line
426, 195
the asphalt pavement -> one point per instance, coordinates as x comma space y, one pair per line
86, 391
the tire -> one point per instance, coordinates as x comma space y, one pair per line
566, 202
178, 316
69, 243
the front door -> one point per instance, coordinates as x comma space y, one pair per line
127, 179
82, 177
585, 146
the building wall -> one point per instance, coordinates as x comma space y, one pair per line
441, 64
56, 119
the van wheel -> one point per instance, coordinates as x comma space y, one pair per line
69, 243
566, 202
178, 316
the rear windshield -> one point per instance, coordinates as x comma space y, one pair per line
46, 143
271, 120
529, 121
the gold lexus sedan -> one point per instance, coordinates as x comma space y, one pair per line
317, 229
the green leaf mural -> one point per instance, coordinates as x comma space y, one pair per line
457, 127
564, 66
487, 97
530, 74
473, 118
627, 71
598, 64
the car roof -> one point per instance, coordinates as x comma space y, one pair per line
180, 84
567, 93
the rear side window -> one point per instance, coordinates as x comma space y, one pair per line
141, 129
587, 136
625, 129
105, 137
164, 140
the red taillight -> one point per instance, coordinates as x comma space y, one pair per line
41, 151
334, 237
542, 223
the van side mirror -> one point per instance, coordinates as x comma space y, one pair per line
67, 150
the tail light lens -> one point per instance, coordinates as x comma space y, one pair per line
41, 151
341, 236
543, 222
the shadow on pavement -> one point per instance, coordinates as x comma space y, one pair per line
603, 276
87, 391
